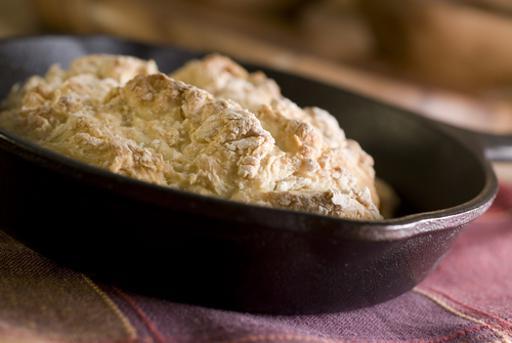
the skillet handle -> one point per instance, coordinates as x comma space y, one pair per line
495, 147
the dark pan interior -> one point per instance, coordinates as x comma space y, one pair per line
417, 160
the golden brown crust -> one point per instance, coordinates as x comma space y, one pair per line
311, 134
119, 113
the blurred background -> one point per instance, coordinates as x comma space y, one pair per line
448, 59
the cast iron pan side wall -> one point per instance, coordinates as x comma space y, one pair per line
160, 252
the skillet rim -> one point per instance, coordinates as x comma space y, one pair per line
385, 229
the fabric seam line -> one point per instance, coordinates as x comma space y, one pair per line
130, 329
460, 314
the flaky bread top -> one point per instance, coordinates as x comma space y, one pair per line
121, 114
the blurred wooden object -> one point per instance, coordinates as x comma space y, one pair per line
17, 17
504, 6
190, 23
252, 6
455, 44
337, 30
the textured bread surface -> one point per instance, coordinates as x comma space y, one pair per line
210, 127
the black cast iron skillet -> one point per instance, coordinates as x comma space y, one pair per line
208, 251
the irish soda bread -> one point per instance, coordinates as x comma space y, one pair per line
211, 128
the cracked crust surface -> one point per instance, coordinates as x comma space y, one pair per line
310, 135
219, 131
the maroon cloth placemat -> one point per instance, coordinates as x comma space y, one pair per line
468, 298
